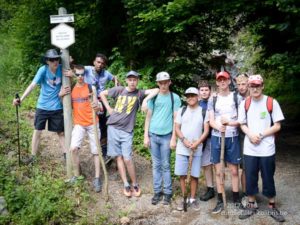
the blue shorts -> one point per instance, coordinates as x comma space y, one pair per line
266, 167
182, 164
232, 150
119, 143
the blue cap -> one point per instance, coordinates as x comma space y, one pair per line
132, 73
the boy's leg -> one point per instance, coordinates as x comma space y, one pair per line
93, 146
194, 185
165, 152
75, 157
36, 137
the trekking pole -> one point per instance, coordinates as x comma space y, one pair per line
223, 173
18, 129
188, 181
96, 132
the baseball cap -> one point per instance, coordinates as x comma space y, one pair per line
132, 73
223, 74
191, 90
51, 54
255, 79
162, 76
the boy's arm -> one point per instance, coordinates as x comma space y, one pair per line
202, 137
146, 132
181, 136
213, 123
103, 96
150, 94
25, 94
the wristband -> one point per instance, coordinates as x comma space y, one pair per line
261, 136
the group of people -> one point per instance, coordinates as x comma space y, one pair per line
194, 130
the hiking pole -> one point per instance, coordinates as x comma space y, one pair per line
188, 181
223, 173
18, 128
96, 132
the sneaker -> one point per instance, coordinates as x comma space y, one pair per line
247, 212
276, 214
107, 159
180, 206
136, 191
97, 184
210, 193
195, 205
219, 207
167, 199
127, 191
156, 198
244, 201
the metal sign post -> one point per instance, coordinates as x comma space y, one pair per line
63, 36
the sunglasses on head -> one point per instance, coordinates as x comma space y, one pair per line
53, 59
79, 74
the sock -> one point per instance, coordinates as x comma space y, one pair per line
220, 199
192, 200
272, 204
135, 185
235, 196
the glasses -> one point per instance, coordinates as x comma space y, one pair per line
256, 87
79, 74
53, 59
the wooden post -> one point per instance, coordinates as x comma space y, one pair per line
67, 104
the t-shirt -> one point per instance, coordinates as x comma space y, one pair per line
259, 120
225, 106
50, 87
98, 79
124, 114
82, 110
161, 122
203, 104
191, 127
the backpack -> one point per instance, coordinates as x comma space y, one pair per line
269, 106
235, 100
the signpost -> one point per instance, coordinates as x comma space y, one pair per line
62, 36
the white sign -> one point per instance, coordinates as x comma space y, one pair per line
62, 36
67, 18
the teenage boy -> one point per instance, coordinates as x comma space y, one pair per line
204, 94
223, 119
120, 126
260, 117
49, 106
160, 136
242, 89
83, 123
191, 130
97, 75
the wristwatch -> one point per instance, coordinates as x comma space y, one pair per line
261, 136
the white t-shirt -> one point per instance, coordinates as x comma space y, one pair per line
225, 106
191, 127
258, 121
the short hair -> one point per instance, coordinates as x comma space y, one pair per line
242, 77
79, 67
204, 83
102, 56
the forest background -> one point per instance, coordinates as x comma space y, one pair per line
148, 36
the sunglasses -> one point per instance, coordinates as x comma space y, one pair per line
54, 81
53, 59
79, 74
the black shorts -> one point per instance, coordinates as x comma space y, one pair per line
55, 120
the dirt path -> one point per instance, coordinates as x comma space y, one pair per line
140, 210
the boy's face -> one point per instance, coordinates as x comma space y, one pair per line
99, 64
223, 83
79, 73
242, 87
132, 82
164, 85
256, 90
53, 63
192, 99
204, 93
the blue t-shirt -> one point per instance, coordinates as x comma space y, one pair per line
98, 79
50, 87
203, 104
161, 122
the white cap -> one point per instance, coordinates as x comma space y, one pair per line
162, 76
191, 90
255, 79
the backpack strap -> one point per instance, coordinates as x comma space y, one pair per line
172, 101
247, 104
214, 102
183, 110
90, 88
270, 108
235, 99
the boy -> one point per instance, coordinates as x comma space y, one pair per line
191, 131
260, 117
160, 136
120, 126
83, 123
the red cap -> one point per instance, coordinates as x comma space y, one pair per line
222, 74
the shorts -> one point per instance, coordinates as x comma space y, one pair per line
232, 150
206, 154
119, 143
78, 134
182, 164
55, 120
266, 167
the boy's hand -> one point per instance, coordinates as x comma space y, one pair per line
64, 91
146, 141
144, 107
68, 73
254, 139
173, 143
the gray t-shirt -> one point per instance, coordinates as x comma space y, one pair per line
127, 104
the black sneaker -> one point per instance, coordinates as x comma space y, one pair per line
156, 198
276, 214
247, 212
167, 199
107, 159
219, 207
210, 193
